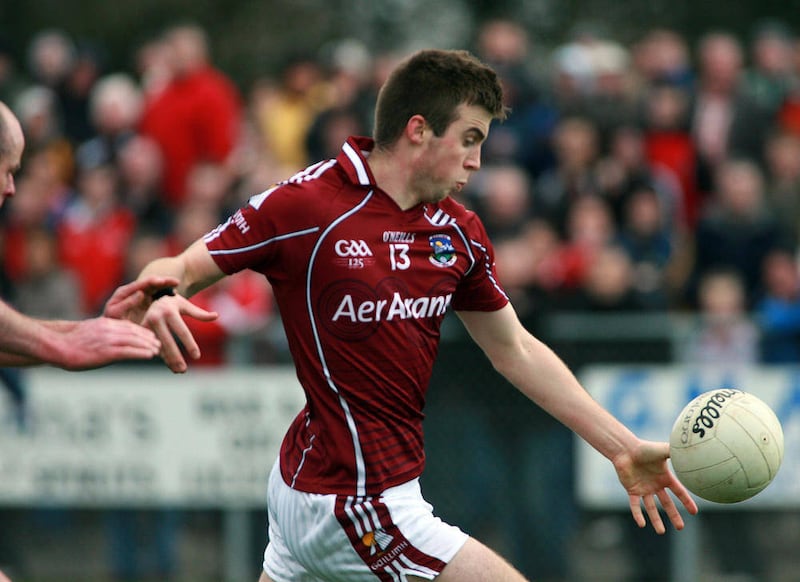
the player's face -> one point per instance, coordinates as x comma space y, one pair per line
450, 159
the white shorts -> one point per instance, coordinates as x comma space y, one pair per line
339, 538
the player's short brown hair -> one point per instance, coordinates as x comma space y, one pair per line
433, 83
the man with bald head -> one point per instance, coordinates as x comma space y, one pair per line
71, 345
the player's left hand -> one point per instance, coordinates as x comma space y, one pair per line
132, 300
165, 318
646, 476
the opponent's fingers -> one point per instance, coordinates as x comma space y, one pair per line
135, 336
122, 308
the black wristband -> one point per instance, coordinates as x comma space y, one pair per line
163, 292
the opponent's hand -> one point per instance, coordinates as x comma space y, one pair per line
132, 300
646, 476
165, 318
93, 343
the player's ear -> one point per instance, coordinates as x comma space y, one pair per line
416, 128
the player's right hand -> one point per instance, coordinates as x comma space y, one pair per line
165, 318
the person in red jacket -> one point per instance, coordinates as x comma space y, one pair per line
196, 116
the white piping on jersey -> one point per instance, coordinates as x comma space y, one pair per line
312, 172
214, 234
361, 475
440, 218
305, 452
488, 266
358, 164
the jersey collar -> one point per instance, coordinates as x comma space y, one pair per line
353, 160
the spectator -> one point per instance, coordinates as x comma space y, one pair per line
607, 284
668, 143
197, 117
577, 148
661, 58
94, 235
115, 107
525, 137
39, 203
725, 336
503, 198
46, 290
626, 169
590, 228
285, 112
140, 167
782, 158
726, 120
647, 239
778, 309
738, 230
771, 75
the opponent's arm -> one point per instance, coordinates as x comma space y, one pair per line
194, 270
72, 345
542, 376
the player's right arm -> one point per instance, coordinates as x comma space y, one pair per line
194, 269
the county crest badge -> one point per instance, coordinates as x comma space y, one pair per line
444, 253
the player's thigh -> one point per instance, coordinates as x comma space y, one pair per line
264, 577
474, 562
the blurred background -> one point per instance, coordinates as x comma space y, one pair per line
644, 202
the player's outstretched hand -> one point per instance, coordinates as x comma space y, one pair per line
165, 318
132, 300
646, 476
93, 343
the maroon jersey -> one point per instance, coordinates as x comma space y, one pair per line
362, 288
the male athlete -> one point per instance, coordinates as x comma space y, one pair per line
366, 253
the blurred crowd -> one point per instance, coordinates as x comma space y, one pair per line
659, 175
662, 174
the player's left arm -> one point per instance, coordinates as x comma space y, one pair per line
541, 375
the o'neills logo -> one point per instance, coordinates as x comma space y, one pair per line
397, 307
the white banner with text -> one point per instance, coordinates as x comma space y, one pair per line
140, 436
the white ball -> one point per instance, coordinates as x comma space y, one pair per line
726, 445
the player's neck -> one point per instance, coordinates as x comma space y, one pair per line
392, 174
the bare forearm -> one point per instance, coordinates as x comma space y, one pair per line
194, 269
25, 341
542, 376
169, 267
